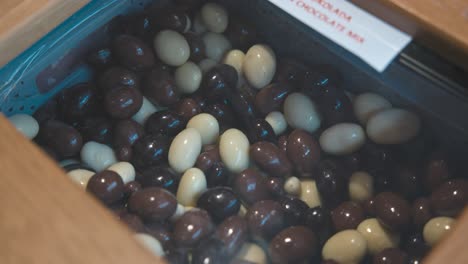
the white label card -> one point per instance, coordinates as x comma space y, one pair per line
371, 39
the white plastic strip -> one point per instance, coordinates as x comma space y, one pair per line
371, 39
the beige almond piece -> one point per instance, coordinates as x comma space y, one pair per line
378, 238
253, 253
184, 150
342, 139
309, 193
345, 247
368, 104
259, 65
207, 126
191, 186
361, 186
234, 150
437, 228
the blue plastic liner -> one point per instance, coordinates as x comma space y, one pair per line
56, 61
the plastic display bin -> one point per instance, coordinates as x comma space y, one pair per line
416, 79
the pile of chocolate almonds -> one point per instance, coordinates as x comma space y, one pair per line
215, 149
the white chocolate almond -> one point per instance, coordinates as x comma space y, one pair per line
214, 17
235, 58
188, 78
234, 150
437, 228
206, 65
252, 253
179, 212
259, 65
277, 122
393, 126
146, 109
184, 150
300, 112
191, 186
26, 124
80, 177
207, 126
97, 156
347, 246
360, 186
378, 238
342, 139
125, 170
216, 45
171, 47
368, 104
309, 193
150, 243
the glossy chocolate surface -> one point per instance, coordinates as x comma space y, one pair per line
192, 227
153, 204
303, 151
133, 53
107, 186
265, 219
251, 187
219, 202
393, 211
296, 244
270, 159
